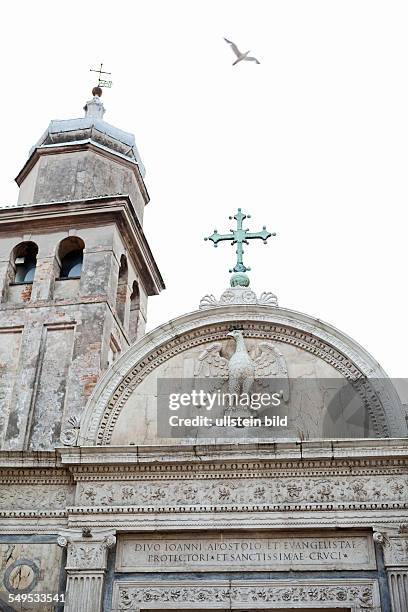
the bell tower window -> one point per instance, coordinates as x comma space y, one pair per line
121, 293
71, 255
25, 262
134, 311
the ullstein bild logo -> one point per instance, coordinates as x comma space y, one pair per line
228, 421
212, 402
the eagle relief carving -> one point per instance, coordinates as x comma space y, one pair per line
242, 370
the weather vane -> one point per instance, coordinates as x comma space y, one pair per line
240, 236
102, 82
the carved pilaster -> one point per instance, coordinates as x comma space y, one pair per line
398, 582
87, 553
395, 546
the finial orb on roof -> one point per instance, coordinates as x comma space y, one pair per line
97, 91
239, 279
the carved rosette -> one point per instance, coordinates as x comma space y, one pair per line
380, 538
69, 436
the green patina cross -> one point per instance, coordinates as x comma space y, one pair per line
240, 237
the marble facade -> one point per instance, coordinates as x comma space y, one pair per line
99, 507
327, 535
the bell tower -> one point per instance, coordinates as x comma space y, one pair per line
76, 271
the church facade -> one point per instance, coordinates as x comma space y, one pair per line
105, 506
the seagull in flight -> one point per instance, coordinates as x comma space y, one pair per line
240, 56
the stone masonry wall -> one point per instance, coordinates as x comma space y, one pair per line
80, 174
58, 336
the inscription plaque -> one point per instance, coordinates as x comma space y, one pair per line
228, 552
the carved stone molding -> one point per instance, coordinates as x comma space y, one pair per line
263, 323
234, 467
175, 595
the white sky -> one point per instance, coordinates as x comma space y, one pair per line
312, 143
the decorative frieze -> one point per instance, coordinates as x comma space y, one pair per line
35, 498
202, 479
176, 595
255, 493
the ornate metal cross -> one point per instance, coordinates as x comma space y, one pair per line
240, 237
102, 82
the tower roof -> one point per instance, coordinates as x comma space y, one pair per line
83, 158
91, 129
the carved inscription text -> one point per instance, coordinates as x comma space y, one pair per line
228, 552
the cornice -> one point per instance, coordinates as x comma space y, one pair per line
318, 449
344, 454
87, 145
144, 522
22, 460
111, 208
321, 482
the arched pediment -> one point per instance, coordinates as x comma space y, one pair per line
310, 347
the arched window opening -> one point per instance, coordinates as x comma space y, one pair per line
71, 255
134, 311
24, 261
121, 293
71, 265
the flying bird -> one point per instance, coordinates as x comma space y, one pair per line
241, 56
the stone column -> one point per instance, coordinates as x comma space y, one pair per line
44, 279
4, 279
87, 553
398, 581
395, 547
